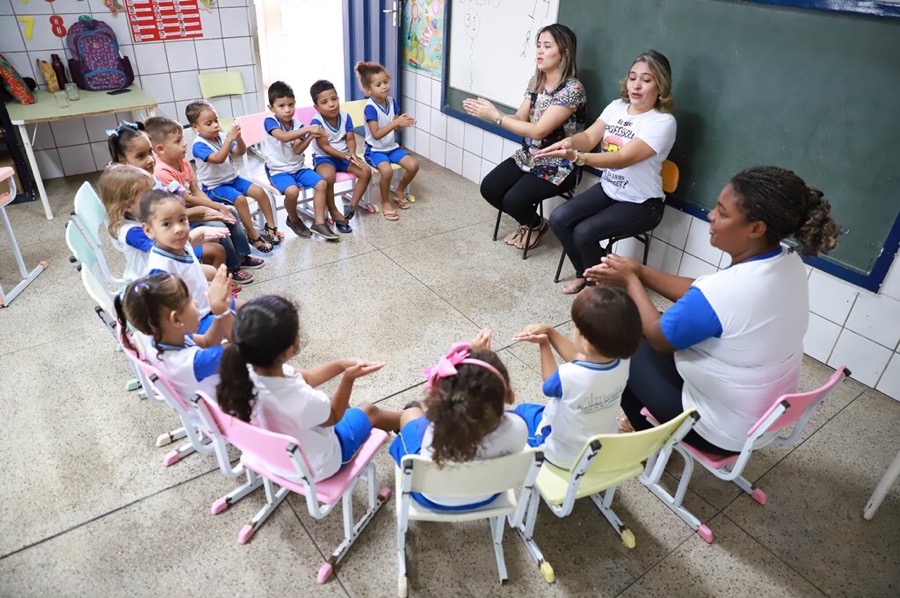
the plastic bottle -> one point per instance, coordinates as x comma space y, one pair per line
59, 69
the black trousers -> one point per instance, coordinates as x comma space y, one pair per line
518, 193
654, 383
590, 217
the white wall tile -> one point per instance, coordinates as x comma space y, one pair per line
664, 257
423, 117
820, 338
12, 42
22, 63
437, 153
866, 359
210, 54
100, 152
234, 22
248, 76
412, 109
151, 59
409, 84
876, 317
409, 139
98, 125
43, 39
472, 140
43, 139
891, 285
454, 158
510, 147
629, 247
436, 93
77, 159
423, 143
6, 7
48, 163
181, 55
169, 109
438, 124
211, 24
69, 132
693, 267
725, 261
186, 86
238, 51
423, 89
471, 167
159, 87
456, 130
674, 227
698, 242
890, 380
492, 147
830, 298
120, 26
486, 167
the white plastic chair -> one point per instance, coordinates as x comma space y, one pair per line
463, 480
90, 217
887, 480
276, 462
791, 409
6, 297
605, 462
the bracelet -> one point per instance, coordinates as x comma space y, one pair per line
580, 158
224, 314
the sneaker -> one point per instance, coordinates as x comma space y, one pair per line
252, 263
241, 276
323, 231
343, 227
299, 228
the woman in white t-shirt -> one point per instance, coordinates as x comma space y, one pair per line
636, 134
737, 335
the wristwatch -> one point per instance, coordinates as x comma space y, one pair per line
580, 158
499, 119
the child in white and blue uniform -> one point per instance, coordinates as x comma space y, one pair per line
383, 120
585, 393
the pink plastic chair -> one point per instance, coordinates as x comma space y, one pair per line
277, 463
791, 409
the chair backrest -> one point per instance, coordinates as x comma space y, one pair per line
475, 478
6, 173
276, 452
355, 110
252, 129
670, 176
158, 384
90, 211
222, 83
305, 114
623, 451
797, 407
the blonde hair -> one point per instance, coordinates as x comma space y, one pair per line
567, 44
365, 71
662, 72
119, 185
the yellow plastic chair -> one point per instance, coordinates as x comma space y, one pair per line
356, 111
605, 462
223, 84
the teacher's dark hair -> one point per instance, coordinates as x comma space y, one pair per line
567, 44
788, 207
662, 72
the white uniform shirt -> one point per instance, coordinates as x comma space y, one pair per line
188, 368
280, 156
375, 111
337, 136
135, 244
209, 174
639, 182
185, 267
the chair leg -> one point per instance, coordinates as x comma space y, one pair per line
273, 500
604, 504
527, 242
562, 258
525, 530
646, 249
675, 502
253, 482
887, 480
498, 524
497, 224
402, 525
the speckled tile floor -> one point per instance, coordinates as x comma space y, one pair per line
89, 509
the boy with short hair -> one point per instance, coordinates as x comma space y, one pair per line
336, 150
283, 146
218, 175
585, 393
167, 138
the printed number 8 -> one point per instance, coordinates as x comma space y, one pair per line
59, 30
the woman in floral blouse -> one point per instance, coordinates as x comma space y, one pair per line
552, 110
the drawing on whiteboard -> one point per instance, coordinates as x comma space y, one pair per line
492, 46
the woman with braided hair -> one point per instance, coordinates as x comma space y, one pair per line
733, 340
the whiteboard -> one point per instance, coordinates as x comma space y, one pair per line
493, 45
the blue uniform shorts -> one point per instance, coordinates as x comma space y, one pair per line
228, 193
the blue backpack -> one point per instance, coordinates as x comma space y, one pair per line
96, 64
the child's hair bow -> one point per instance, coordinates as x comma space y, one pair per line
446, 366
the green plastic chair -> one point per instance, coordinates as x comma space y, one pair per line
90, 218
605, 462
222, 84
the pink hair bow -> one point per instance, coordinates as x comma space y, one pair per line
446, 366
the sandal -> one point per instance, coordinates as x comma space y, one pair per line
261, 244
574, 287
272, 235
401, 202
515, 237
536, 235
391, 215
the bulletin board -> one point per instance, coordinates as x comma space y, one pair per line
161, 20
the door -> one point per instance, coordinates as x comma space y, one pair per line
371, 33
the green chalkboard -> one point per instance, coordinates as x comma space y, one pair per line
814, 91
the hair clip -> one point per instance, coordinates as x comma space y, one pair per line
458, 398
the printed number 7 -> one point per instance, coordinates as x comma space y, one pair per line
29, 26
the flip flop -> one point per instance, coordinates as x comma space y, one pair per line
573, 288
401, 202
391, 215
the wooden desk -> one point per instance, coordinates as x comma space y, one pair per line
92, 103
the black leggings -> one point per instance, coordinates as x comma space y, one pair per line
518, 193
654, 383
592, 216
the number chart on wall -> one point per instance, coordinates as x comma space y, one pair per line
160, 20
488, 33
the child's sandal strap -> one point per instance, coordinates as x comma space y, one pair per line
261, 244
273, 235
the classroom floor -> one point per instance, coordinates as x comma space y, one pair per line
89, 509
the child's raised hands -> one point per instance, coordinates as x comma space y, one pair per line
235, 132
314, 130
534, 333
219, 293
361, 367
482, 340
207, 234
405, 120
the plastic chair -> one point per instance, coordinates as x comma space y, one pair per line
476, 478
670, 177
791, 409
606, 461
887, 480
90, 217
223, 84
6, 173
272, 460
